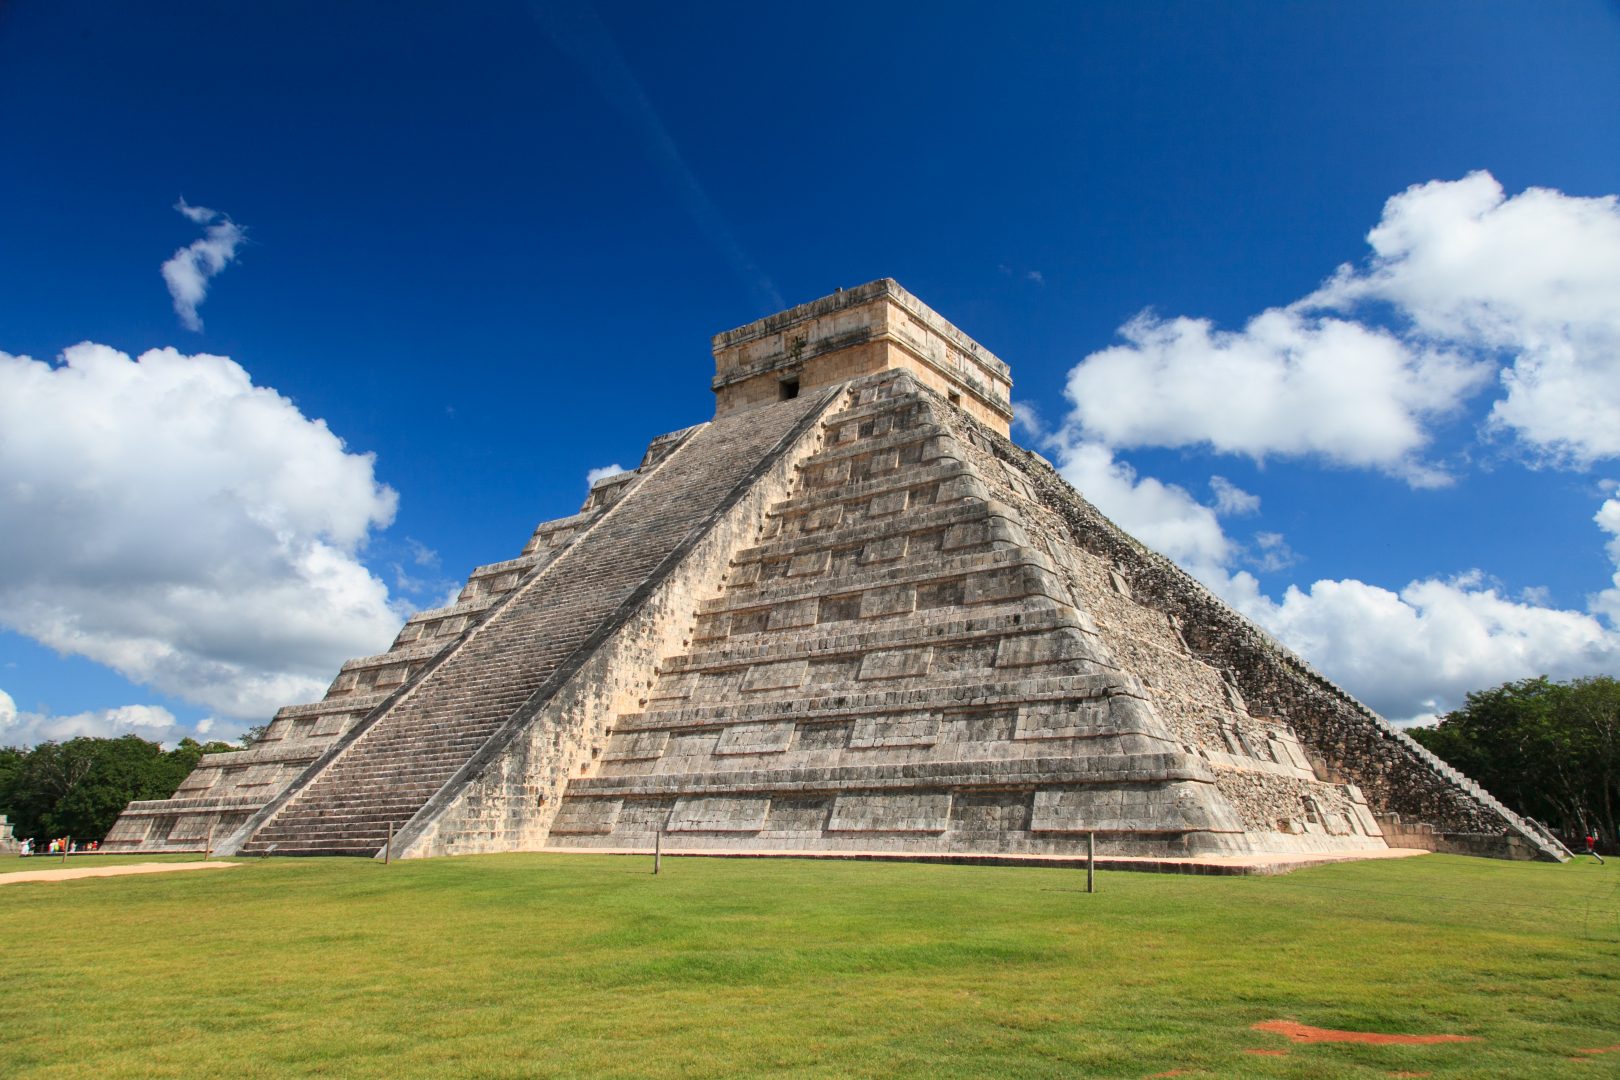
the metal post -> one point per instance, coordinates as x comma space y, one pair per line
1091, 862
658, 849
388, 848
67, 845
208, 848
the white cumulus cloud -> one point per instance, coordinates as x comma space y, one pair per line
190, 530
1466, 287
1287, 385
1469, 286
1533, 277
152, 722
1608, 519
189, 270
1418, 650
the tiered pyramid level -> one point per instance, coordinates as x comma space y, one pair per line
845, 616
906, 662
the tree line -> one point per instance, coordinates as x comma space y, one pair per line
79, 787
1547, 749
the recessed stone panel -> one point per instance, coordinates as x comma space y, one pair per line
636, 746
586, 817
890, 502
804, 816
891, 730
1058, 646
824, 517
809, 564
839, 608
771, 738
893, 600
1063, 719
725, 814
896, 663
923, 812
991, 813
823, 737
780, 676
794, 614
885, 550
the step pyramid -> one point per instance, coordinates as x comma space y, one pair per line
847, 615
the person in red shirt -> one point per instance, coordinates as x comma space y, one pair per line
1591, 847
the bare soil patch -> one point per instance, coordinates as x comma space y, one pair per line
73, 873
1304, 1033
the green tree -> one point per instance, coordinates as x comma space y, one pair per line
79, 787
1550, 749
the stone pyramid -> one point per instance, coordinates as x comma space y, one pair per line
847, 615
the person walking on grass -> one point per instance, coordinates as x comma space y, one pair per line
1591, 848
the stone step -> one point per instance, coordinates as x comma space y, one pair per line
848, 637
410, 752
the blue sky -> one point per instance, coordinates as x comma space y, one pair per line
487, 245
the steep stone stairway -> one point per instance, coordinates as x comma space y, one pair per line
397, 760
892, 666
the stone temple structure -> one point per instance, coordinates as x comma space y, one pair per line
847, 614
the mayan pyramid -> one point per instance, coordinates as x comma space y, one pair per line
847, 614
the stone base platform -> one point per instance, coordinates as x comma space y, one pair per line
1258, 865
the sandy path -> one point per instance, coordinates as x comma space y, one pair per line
72, 873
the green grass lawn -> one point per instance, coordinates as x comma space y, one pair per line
548, 965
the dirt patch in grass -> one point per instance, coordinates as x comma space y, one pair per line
74, 873
1304, 1033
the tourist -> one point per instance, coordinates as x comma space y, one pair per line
1591, 847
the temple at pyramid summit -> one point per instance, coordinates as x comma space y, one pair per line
847, 615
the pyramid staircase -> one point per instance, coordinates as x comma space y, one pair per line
430, 734
902, 663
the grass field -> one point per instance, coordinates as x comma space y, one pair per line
543, 965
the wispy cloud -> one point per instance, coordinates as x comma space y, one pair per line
1231, 499
189, 270
578, 32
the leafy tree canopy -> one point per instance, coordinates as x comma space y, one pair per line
1549, 749
77, 788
